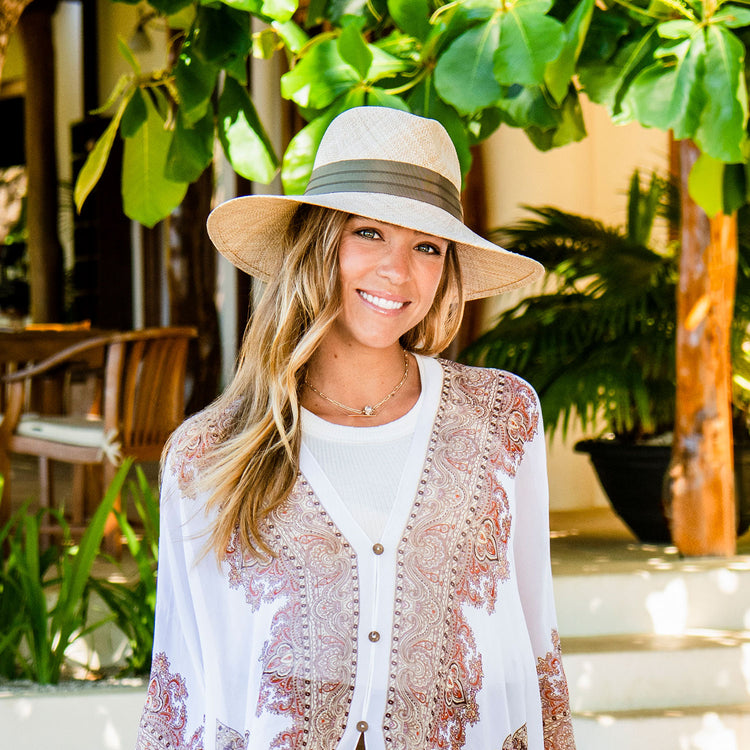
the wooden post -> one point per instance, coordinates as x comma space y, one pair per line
45, 251
701, 503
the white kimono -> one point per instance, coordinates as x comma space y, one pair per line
441, 635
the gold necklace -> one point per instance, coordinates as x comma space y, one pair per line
368, 410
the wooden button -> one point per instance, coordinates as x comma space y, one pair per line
378, 548
374, 636
362, 726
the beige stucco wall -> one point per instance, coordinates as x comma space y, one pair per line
119, 19
589, 178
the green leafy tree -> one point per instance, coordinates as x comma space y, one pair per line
472, 65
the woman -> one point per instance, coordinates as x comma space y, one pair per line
354, 544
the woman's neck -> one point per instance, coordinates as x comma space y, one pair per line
357, 378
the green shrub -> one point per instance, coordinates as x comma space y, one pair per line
45, 593
134, 604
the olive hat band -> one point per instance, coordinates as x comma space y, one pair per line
388, 177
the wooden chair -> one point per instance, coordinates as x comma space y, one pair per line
136, 382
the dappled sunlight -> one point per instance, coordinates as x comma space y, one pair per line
23, 709
713, 735
673, 730
745, 665
668, 608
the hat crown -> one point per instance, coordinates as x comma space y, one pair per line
392, 135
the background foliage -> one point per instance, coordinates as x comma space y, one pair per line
472, 64
46, 591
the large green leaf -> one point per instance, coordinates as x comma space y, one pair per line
222, 33
291, 34
463, 75
320, 77
134, 116
97, 159
195, 80
722, 132
568, 128
606, 81
354, 50
381, 98
242, 135
670, 93
191, 149
279, 10
605, 35
529, 40
413, 16
148, 196
272, 38
480, 128
705, 184
236, 67
385, 65
558, 73
527, 106
732, 16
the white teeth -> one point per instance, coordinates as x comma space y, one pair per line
386, 304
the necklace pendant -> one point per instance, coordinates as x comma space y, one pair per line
368, 411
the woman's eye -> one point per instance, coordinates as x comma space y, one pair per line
426, 247
367, 233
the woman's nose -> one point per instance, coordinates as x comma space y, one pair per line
395, 265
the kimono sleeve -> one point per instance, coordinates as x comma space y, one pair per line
173, 714
532, 554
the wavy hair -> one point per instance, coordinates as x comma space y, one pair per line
253, 468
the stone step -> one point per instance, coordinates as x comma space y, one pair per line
661, 594
631, 673
75, 715
695, 728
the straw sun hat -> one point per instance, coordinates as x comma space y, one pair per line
386, 165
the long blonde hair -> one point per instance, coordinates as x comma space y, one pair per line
254, 467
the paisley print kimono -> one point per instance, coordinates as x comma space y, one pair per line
441, 635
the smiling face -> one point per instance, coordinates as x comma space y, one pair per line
388, 276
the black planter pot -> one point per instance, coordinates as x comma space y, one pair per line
633, 478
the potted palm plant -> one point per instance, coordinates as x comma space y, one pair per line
598, 343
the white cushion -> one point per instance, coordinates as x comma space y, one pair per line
81, 431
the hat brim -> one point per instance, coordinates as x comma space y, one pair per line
247, 231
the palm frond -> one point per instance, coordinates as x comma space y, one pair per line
599, 343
